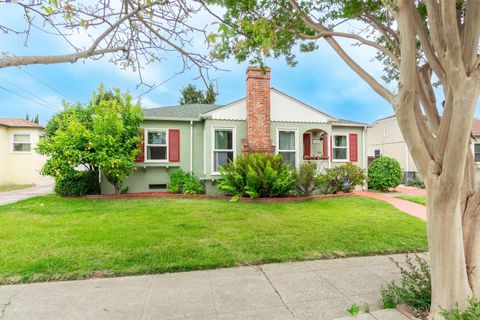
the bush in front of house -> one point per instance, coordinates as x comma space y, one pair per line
184, 182
343, 178
305, 179
384, 173
257, 175
78, 184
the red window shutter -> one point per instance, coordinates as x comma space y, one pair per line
325, 145
174, 145
306, 146
331, 147
353, 142
141, 155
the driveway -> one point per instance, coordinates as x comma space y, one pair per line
320, 290
17, 195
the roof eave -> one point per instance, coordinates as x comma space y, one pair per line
171, 119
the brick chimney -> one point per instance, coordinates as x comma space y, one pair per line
258, 111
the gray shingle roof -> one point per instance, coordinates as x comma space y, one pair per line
182, 112
345, 121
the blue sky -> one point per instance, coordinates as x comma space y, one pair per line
320, 79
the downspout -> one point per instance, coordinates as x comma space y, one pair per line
364, 152
191, 146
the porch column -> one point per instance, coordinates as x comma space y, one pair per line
329, 149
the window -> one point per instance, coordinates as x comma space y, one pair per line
339, 147
286, 146
476, 151
21, 143
377, 153
156, 145
223, 147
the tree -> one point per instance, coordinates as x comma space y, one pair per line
421, 44
190, 94
131, 32
104, 135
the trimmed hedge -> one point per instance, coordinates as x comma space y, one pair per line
79, 184
384, 173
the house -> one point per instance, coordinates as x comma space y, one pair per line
384, 138
19, 163
201, 138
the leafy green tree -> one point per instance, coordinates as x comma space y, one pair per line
190, 94
103, 135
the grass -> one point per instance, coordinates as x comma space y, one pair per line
13, 187
53, 238
416, 199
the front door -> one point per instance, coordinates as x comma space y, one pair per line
306, 145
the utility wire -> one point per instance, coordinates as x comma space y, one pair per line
156, 86
45, 84
27, 98
31, 94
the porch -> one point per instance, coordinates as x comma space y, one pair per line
316, 149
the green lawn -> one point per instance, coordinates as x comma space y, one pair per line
48, 237
416, 199
13, 187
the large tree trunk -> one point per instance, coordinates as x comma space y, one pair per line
445, 238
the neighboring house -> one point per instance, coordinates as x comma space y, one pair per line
201, 138
384, 138
19, 163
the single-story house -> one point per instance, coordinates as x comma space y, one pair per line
19, 163
199, 138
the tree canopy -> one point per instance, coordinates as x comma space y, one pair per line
102, 135
190, 94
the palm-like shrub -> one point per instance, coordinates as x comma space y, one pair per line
305, 179
257, 175
384, 173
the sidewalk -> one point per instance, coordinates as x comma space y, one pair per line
319, 290
413, 209
22, 194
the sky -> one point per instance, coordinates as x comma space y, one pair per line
320, 79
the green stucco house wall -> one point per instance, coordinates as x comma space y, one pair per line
200, 138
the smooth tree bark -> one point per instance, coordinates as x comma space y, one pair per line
420, 43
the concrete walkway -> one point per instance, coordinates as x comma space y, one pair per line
320, 290
17, 195
413, 209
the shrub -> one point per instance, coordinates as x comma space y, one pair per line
471, 313
183, 182
257, 175
415, 182
78, 184
384, 173
342, 178
305, 179
414, 288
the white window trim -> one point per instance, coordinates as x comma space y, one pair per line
145, 139
297, 144
473, 151
13, 142
234, 145
348, 146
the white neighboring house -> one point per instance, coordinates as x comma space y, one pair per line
19, 162
384, 138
